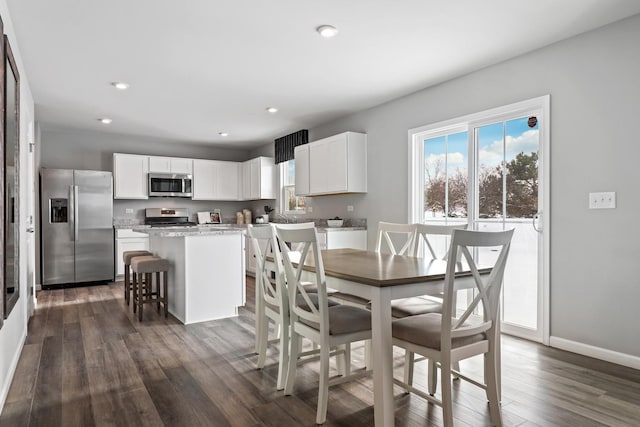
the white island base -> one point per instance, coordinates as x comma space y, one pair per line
206, 275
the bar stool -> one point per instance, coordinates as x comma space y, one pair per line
127, 256
143, 291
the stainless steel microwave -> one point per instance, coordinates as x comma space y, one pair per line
170, 185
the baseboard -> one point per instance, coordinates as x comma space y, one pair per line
596, 352
12, 370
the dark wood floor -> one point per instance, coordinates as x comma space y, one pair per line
87, 361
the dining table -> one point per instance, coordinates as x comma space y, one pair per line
381, 278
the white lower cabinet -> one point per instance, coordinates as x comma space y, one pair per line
128, 240
327, 239
340, 239
251, 255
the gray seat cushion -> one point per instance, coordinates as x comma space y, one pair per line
354, 299
149, 264
128, 255
414, 306
302, 303
424, 330
345, 319
312, 287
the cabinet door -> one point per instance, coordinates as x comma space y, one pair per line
254, 165
318, 163
180, 165
204, 179
130, 176
159, 164
301, 155
246, 180
336, 166
353, 239
267, 178
227, 184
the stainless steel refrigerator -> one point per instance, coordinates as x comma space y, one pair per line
77, 226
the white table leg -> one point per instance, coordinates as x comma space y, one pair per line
383, 407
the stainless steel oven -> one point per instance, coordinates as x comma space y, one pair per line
170, 185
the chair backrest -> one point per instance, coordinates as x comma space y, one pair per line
488, 287
304, 238
273, 292
426, 232
399, 238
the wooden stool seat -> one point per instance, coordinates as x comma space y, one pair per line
127, 256
143, 292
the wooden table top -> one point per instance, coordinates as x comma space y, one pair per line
382, 270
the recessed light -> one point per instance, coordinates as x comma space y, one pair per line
272, 110
327, 31
120, 85
105, 120
223, 133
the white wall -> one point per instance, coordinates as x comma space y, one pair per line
93, 150
14, 330
594, 84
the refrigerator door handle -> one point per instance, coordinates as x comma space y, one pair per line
72, 213
76, 213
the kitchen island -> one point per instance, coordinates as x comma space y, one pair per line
207, 270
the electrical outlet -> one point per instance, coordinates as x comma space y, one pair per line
309, 208
349, 208
602, 200
128, 210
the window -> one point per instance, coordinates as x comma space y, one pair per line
290, 203
488, 170
445, 177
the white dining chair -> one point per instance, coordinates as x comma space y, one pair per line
333, 328
395, 238
447, 337
272, 301
431, 241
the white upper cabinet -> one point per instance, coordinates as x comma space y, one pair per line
337, 164
170, 165
130, 176
301, 153
216, 180
259, 179
211, 179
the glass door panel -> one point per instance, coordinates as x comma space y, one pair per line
507, 197
446, 179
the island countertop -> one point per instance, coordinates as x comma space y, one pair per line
181, 231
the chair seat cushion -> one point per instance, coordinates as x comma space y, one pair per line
414, 306
344, 319
312, 287
149, 264
302, 303
353, 299
128, 255
424, 330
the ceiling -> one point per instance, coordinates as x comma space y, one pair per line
200, 67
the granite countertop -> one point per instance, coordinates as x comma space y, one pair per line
229, 226
181, 231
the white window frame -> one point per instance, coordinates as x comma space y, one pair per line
416, 139
282, 186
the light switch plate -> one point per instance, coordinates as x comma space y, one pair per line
128, 210
602, 200
349, 208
